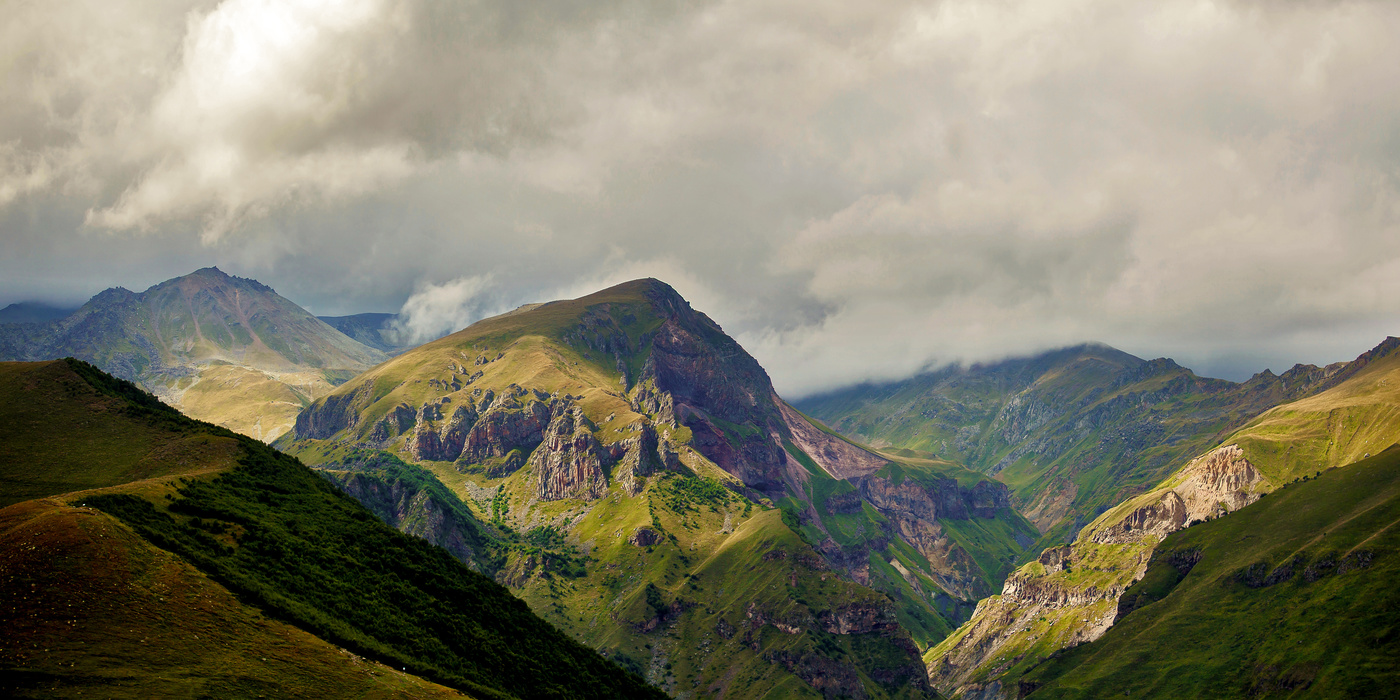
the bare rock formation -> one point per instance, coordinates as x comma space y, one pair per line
569, 461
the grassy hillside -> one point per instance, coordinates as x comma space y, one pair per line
276, 535
1072, 594
223, 349
1072, 431
60, 432
90, 608
1359, 418
1294, 596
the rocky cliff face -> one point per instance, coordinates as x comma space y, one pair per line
569, 461
1210, 486
1070, 594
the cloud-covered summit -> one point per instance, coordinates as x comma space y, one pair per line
854, 190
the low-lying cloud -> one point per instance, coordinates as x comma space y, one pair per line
436, 310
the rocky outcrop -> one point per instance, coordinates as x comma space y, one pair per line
431, 443
331, 415
644, 537
1116, 553
500, 430
1210, 486
640, 455
697, 376
914, 509
839, 458
569, 461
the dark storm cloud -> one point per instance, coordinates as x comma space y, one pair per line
855, 191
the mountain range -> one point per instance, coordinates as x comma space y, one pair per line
224, 349
1072, 432
623, 438
1079, 523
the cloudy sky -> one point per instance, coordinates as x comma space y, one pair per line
854, 190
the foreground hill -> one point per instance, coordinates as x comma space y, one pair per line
660, 502
199, 562
1296, 595
1073, 431
223, 349
1074, 593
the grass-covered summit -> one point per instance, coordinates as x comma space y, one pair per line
195, 561
220, 348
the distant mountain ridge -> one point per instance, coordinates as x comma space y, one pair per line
225, 349
1072, 431
33, 312
377, 330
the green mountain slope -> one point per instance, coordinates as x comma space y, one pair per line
617, 444
1072, 594
1293, 596
1072, 431
262, 526
219, 348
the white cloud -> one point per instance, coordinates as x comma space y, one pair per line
436, 310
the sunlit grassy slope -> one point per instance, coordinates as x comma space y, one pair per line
1297, 595
1358, 418
251, 521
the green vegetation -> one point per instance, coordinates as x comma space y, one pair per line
50, 442
1292, 596
286, 541
89, 608
1072, 432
